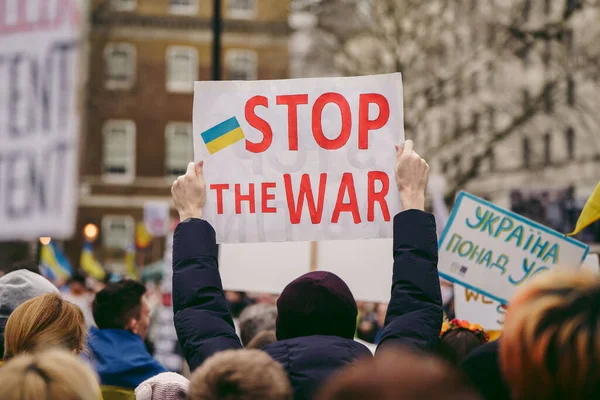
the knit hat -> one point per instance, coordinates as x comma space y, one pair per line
165, 386
317, 303
19, 286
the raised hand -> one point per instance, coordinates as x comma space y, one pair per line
189, 192
412, 175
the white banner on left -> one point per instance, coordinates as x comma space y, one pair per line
40, 49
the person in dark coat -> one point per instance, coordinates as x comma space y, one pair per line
316, 313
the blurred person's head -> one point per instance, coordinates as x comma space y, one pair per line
240, 375
165, 386
397, 374
317, 303
262, 339
16, 288
77, 284
123, 305
50, 375
458, 339
550, 347
381, 312
255, 319
43, 322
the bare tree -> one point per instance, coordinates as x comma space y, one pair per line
514, 63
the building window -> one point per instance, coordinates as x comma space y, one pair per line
182, 69
547, 54
457, 124
491, 73
457, 161
445, 167
119, 150
570, 138
475, 123
179, 149
183, 7
523, 54
526, 153
120, 65
117, 231
548, 148
441, 90
124, 5
473, 5
568, 39
442, 130
570, 91
548, 101
474, 82
492, 159
491, 35
491, 112
242, 8
548, 7
526, 99
459, 89
242, 65
526, 10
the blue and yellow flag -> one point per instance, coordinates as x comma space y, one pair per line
130, 262
53, 263
89, 264
590, 212
223, 135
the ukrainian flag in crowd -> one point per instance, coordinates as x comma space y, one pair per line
590, 212
53, 263
130, 262
89, 264
223, 135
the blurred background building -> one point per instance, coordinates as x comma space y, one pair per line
500, 96
144, 57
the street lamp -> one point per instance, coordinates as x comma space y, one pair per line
90, 232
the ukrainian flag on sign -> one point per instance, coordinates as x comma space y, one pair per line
223, 135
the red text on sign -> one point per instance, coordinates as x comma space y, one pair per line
292, 102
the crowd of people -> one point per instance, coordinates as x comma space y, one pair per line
305, 343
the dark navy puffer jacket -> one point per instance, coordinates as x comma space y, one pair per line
204, 324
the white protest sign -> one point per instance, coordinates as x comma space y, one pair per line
494, 251
157, 218
40, 50
476, 308
365, 265
262, 267
300, 159
592, 263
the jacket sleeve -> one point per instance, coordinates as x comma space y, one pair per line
415, 314
202, 319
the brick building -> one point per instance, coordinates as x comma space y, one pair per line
144, 57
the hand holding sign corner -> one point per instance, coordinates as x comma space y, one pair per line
412, 174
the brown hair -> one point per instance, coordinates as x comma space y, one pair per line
551, 347
50, 375
397, 374
455, 345
240, 375
44, 321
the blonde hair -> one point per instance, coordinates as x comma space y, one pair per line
240, 375
51, 375
42, 322
551, 346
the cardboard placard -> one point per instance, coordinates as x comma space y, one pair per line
300, 159
493, 251
40, 50
476, 308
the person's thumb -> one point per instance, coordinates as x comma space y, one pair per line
199, 169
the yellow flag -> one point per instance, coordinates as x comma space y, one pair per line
590, 213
